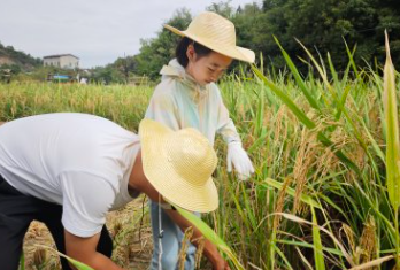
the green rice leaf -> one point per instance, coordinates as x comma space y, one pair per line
304, 244
211, 236
392, 143
297, 77
22, 262
289, 190
292, 106
318, 248
392, 132
303, 118
351, 58
203, 228
284, 259
79, 265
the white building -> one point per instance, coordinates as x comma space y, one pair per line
65, 61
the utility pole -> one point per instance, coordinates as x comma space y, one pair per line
126, 71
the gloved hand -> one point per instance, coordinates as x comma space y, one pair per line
238, 157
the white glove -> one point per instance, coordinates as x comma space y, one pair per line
240, 160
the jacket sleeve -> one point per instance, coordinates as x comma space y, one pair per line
225, 124
162, 107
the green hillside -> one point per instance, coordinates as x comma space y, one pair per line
18, 59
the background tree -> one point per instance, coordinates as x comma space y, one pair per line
321, 25
20, 60
154, 53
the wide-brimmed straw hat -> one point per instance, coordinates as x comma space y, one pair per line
217, 33
179, 165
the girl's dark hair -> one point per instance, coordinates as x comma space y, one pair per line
181, 49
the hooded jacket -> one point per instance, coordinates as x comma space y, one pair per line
179, 102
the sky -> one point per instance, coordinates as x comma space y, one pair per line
97, 31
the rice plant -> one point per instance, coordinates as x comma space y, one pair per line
325, 150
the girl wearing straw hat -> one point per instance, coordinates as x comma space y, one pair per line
69, 170
188, 97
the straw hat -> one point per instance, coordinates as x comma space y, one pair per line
216, 33
179, 165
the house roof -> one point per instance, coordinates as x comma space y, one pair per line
59, 55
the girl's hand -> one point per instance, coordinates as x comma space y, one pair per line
238, 157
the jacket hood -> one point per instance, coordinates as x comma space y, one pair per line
176, 71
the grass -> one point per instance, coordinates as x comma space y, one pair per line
319, 197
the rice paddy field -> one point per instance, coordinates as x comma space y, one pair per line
325, 150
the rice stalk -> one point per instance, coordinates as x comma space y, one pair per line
280, 202
304, 119
75, 263
199, 253
304, 158
333, 238
368, 242
182, 252
350, 238
39, 258
373, 263
304, 260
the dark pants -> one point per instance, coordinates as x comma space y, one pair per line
17, 211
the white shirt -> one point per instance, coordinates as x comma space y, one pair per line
79, 161
179, 102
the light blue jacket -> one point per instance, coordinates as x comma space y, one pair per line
179, 102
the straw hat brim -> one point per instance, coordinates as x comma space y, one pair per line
155, 140
235, 52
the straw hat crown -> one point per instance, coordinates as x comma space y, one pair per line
217, 33
179, 165
210, 25
192, 157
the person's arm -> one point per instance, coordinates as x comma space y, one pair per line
84, 250
86, 200
210, 250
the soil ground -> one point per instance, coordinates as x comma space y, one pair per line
132, 245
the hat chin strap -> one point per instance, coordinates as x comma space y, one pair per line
160, 235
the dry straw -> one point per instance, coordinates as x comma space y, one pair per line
182, 253
280, 203
199, 253
304, 159
368, 242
